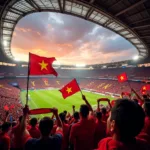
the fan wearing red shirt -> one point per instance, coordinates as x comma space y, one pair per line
17, 134
125, 122
46, 141
4, 137
82, 133
145, 134
34, 130
147, 118
100, 129
65, 131
104, 114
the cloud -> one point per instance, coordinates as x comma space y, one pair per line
69, 39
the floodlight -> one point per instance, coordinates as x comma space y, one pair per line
80, 65
5, 43
16, 59
136, 57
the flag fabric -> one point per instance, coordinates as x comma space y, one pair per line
12, 106
122, 77
145, 88
6, 107
39, 111
41, 65
70, 89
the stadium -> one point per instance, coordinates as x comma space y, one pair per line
104, 45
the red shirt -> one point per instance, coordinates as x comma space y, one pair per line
4, 141
18, 138
82, 134
100, 132
54, 129
145, 133
147, 125
105, 117
66, 128
110, 144
34, 132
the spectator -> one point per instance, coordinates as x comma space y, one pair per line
4, 137
145, 134
125, 122
76, 117
147, 118
82, 133
100, 130
46, 141
104, 114
65, 131
34, 131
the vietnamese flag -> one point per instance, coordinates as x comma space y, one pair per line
122, 77
145, 88
6, 107
41, 65
70, 89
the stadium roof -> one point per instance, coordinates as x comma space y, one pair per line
129, 18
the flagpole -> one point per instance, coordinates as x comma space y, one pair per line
79, 87
27, 97
129, 84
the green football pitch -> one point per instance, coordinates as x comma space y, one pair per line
53, 98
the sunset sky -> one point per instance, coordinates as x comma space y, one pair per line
70, 39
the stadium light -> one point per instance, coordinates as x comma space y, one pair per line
80, 65
16, 59
5, 43
136, 57
56, 63
104, 66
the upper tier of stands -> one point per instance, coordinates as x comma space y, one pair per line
133, 73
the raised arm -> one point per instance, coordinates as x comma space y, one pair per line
98, 107
87, 103
24, 118
73, 109
59, 122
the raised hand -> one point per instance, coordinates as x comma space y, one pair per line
26, 110
55, 111
83, 97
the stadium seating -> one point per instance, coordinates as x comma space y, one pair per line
133, 73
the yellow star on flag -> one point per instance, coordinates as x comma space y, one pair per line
69, 90
121, 77
43, 65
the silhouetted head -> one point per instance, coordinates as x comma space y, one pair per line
126, 119
45, 126
84, 111
33, 122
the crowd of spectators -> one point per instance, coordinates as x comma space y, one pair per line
9, 101
97, 85
125, 125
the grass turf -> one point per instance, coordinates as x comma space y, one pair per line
53, 98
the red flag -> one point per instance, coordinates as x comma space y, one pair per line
145, 88
40, 111
70, 89
41, 65
12, 106
122, 77
6, 107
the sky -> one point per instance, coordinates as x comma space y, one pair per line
71, 40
